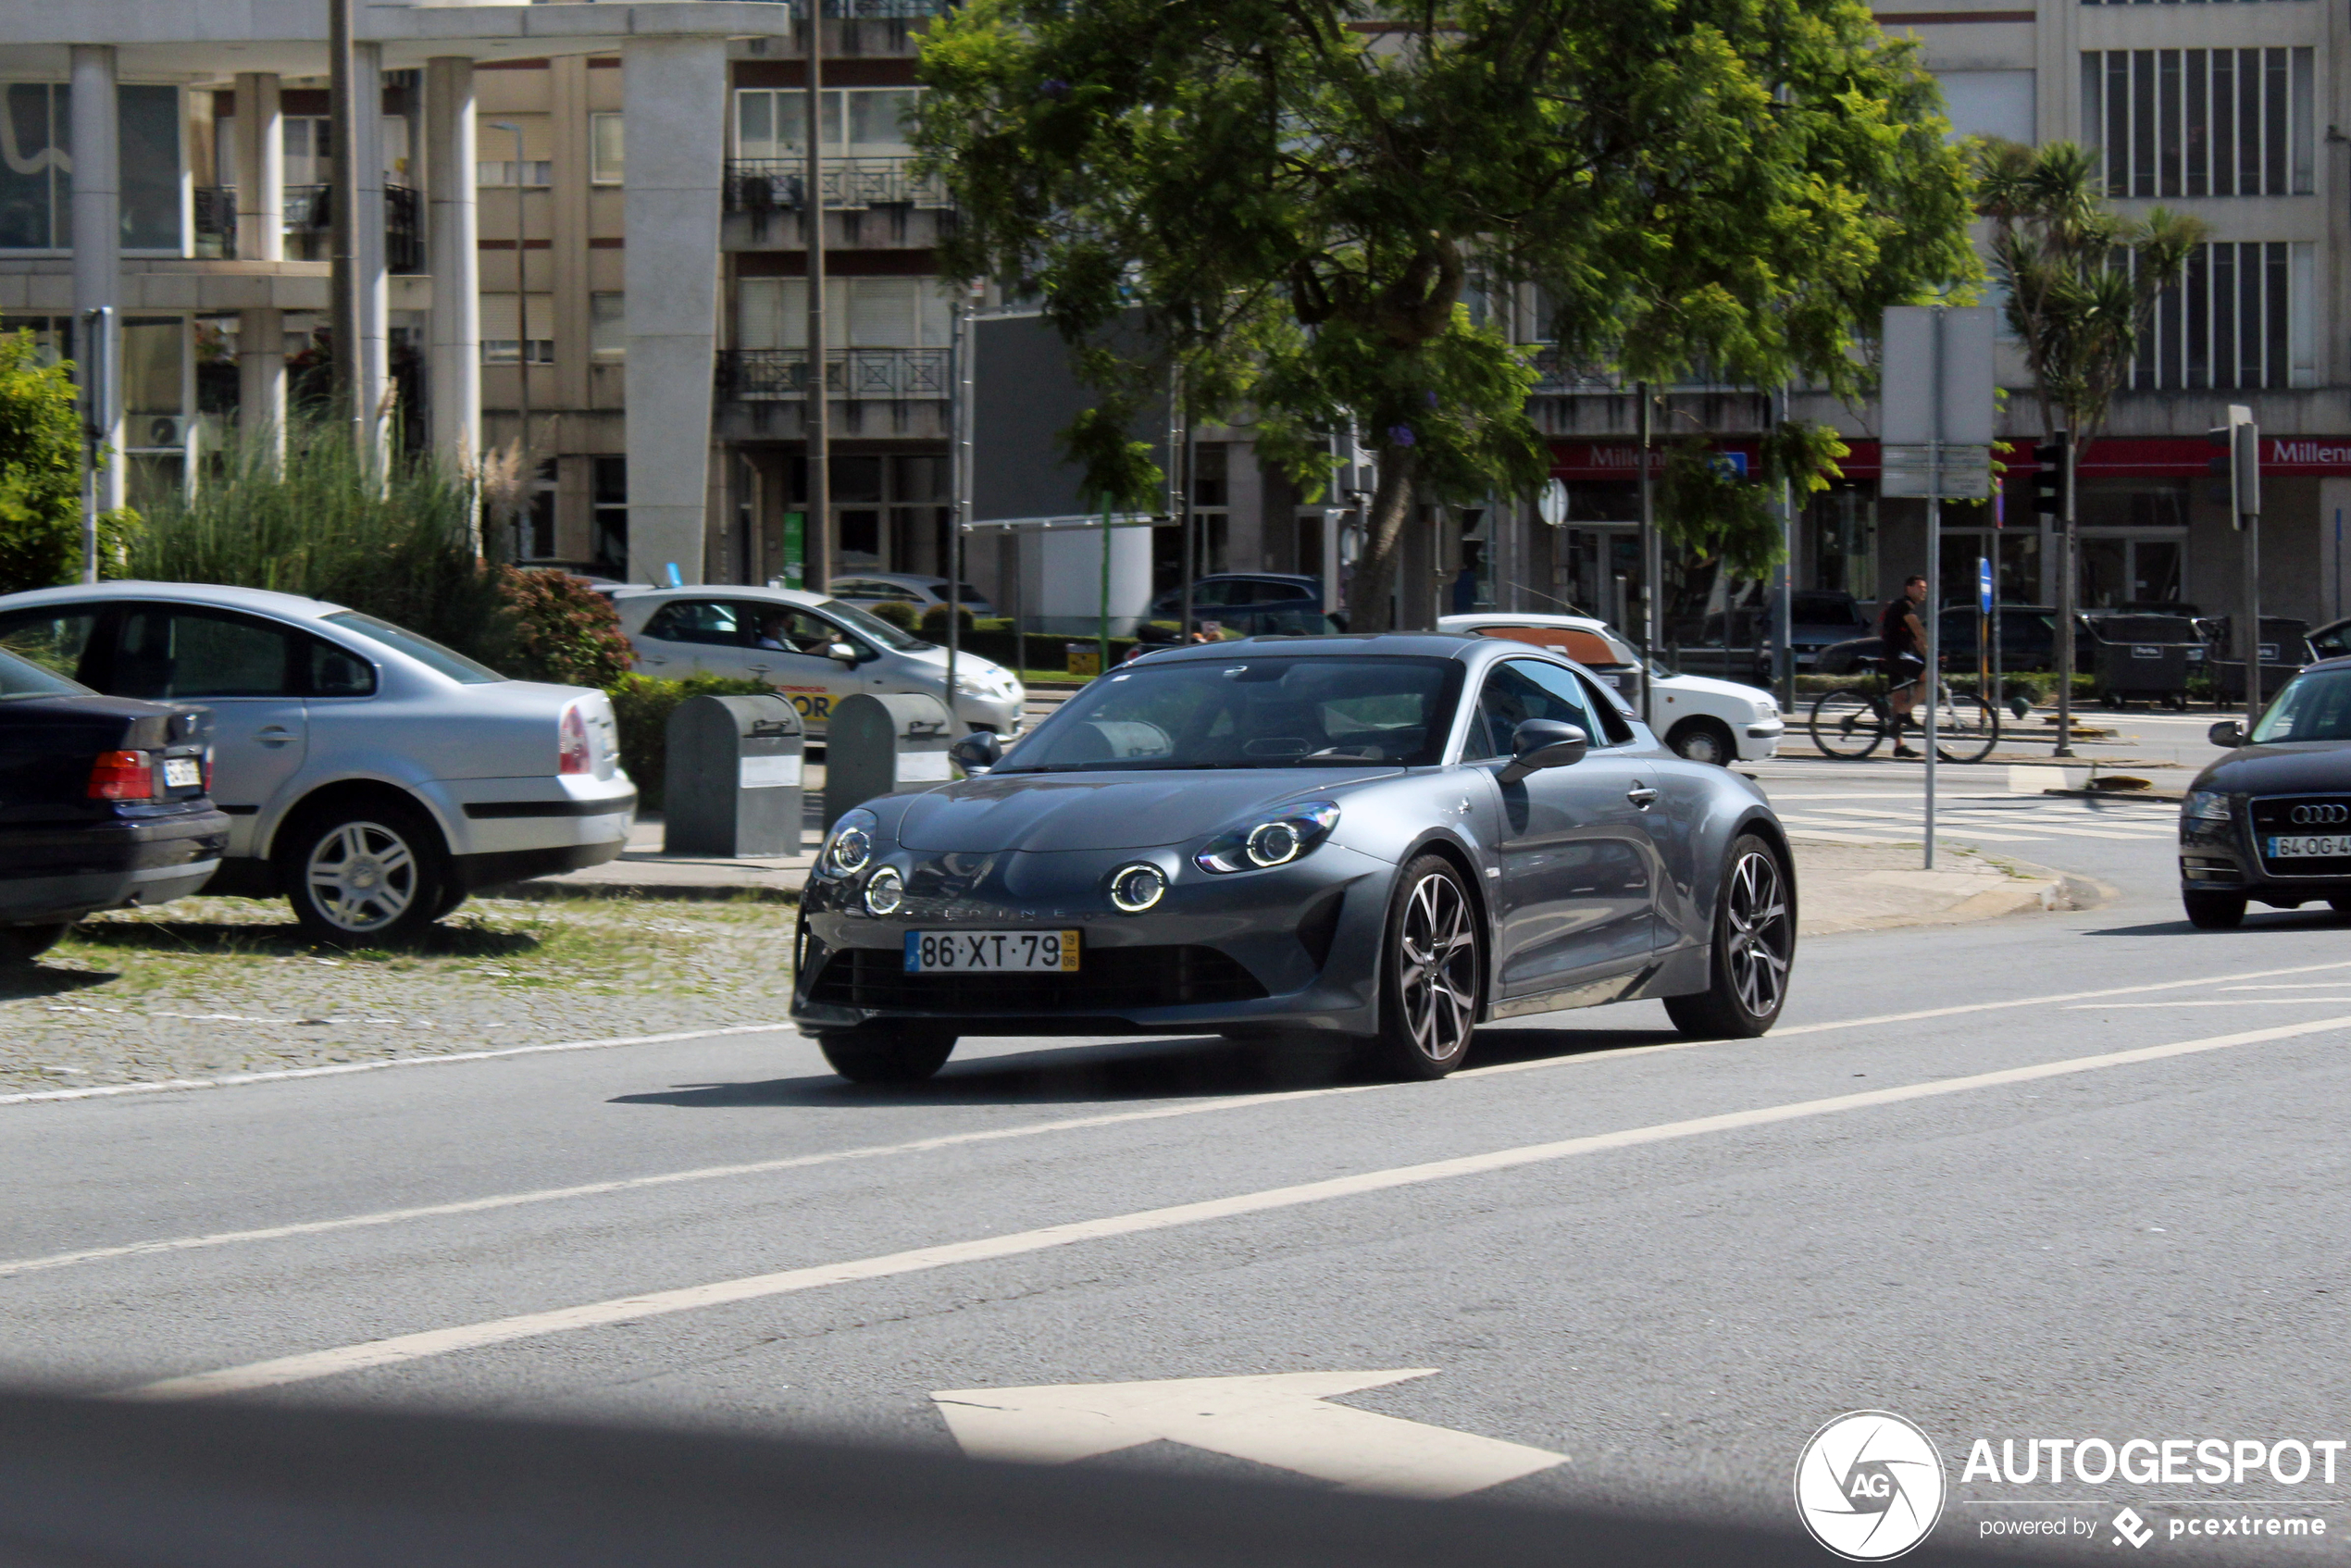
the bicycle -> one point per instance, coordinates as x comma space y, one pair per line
1849, 723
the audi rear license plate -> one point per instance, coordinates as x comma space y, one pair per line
179, 773
992, 953
2309, 846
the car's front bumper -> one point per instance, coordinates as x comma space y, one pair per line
1760, 738
70, 870
2220, 857
1294, 947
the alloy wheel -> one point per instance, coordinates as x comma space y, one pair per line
362, 877
1436, 954
1757, 951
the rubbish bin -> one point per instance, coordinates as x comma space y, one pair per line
2144, 655
2285, 648
879, 745
732, 782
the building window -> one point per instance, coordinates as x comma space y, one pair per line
36, 166
608, 517
772, 122
859, 313
501, 172
607, 326
608, 163
535, 530
2201, 123
2239, 318
501, 324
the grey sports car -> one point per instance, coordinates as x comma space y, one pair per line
1387, 838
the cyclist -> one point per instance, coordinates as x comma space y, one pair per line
1902, 641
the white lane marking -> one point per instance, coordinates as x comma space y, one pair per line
398, 1348
2291, 986
948, 1141
1283, 1419
1947, 828
231, 1080
2032, 825
2237, 1001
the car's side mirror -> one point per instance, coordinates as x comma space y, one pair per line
977, 752
2229, 732
842, 652
1539, 743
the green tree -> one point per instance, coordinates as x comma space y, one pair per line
1295, 191
40, 473
2055, 246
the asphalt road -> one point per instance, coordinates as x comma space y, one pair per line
1945, 1187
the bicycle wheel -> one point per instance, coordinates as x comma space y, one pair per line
1847, 724
1966, 728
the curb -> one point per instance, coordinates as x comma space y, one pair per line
701, 893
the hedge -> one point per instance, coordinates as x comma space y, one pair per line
642, 707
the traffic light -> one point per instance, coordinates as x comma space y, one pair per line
2050, 476
2242, 467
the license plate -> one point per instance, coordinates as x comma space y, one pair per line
2310, 846
934, 953
179, 773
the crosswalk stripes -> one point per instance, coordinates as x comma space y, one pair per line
1866, 816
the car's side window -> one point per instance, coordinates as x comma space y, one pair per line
58, 640
172, 652
1513, 695
780, 629
1608, 712
338, 672
697, 620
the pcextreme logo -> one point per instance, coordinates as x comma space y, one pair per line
1868, 1486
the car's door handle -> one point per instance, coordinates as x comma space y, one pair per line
1642, 796
273, 735
756, 669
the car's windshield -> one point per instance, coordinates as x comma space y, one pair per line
424, 650
870, 625
2312, 707
1250, 712
22, 678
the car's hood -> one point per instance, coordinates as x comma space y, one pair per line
966, 661
1707, 685
1104, 811
2308, 766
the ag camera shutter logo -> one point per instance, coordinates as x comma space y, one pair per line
1868, 1486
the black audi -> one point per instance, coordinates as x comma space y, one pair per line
2271, 823
103, 804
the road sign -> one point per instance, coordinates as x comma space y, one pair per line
1937, 400
1553, 505
1984, 585
1283, 1419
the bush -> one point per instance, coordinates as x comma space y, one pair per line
565, 630
642, 707
41, 474
897, 612
400, 545
934, 624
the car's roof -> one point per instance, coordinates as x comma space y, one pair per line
914, 578
1385, 644
727, 591
261, 599
1503, 618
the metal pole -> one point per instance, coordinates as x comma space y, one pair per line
342, 284
962, 514
2251, 640
1188, 461
1786, 671
2068, 590
1102, 628
1933, 677
97, 362
1648, 550
817, 551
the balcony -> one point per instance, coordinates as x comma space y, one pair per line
781, 375
764, 186
309, 225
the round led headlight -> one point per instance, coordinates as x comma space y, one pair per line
885, 890
1133, 888
1272, 843
850, 848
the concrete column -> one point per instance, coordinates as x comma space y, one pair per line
454, 366
96, 137
261, 377
367, 239
261, 169
675, 98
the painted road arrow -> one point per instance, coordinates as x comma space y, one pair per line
1283, 1419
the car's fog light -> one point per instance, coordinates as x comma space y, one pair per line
1135, 888
1271, 843
885, 890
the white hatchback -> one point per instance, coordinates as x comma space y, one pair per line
1701, 718
370, 776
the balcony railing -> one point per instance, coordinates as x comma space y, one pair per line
778, 375
764, 186
309, 225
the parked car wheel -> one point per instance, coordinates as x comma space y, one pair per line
1754, 946
2213, 911
22, 944
884, 1053
365, 871
1432, 973
1703, 740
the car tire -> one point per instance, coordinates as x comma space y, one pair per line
1703, 740
1752, 952
368, 871
1432, 973
2209, 911
22, 944
885, 1054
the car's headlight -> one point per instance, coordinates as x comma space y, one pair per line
885, 890
1766, 708
2205, 805
1276, 838
1133, 888
850, 847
